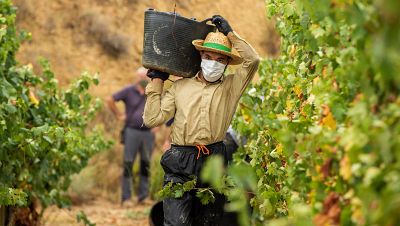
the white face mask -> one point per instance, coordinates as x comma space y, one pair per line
212, 70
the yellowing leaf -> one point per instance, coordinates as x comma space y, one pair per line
345, 168
316, 80
297, 90
324, 72
292, 51
246, 117
289, 105
357, 214
279, 149
328, 119
32, 98
318, 168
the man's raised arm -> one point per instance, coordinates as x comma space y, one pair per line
250, 57
251, 60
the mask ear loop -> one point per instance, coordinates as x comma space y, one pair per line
229, 60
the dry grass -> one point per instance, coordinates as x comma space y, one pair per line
25, 10
132, 2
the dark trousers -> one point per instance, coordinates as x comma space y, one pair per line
231, 146
141, 141
179, 164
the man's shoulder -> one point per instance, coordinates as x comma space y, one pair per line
128, 88
132, 91
133, 88
183, 81
122, 93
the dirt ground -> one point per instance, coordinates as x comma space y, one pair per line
101, 212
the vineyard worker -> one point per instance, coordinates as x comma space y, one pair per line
233, 141
203, 107
135, 136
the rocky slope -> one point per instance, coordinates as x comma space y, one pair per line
106, 36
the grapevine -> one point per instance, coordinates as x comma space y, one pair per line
45, 135
323, 126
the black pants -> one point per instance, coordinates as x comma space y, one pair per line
231, 146
179, 164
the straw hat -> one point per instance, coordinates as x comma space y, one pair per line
217, 42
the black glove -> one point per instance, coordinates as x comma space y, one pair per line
222, 24
157, 74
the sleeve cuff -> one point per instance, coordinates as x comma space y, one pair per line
154, 88
233, 37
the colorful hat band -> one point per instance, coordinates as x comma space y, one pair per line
217, 46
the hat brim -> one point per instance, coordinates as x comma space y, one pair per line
198, 44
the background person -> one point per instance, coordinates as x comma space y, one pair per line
232, 142
136, 137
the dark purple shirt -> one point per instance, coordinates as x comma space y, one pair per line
134, 106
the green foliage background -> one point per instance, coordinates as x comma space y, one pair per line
323, 120
44, 134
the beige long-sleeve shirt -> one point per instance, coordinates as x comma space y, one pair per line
203, 111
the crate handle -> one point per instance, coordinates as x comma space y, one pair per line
206, 20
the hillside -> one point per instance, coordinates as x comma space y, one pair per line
106, 36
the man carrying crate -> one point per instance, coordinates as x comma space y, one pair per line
202, 108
